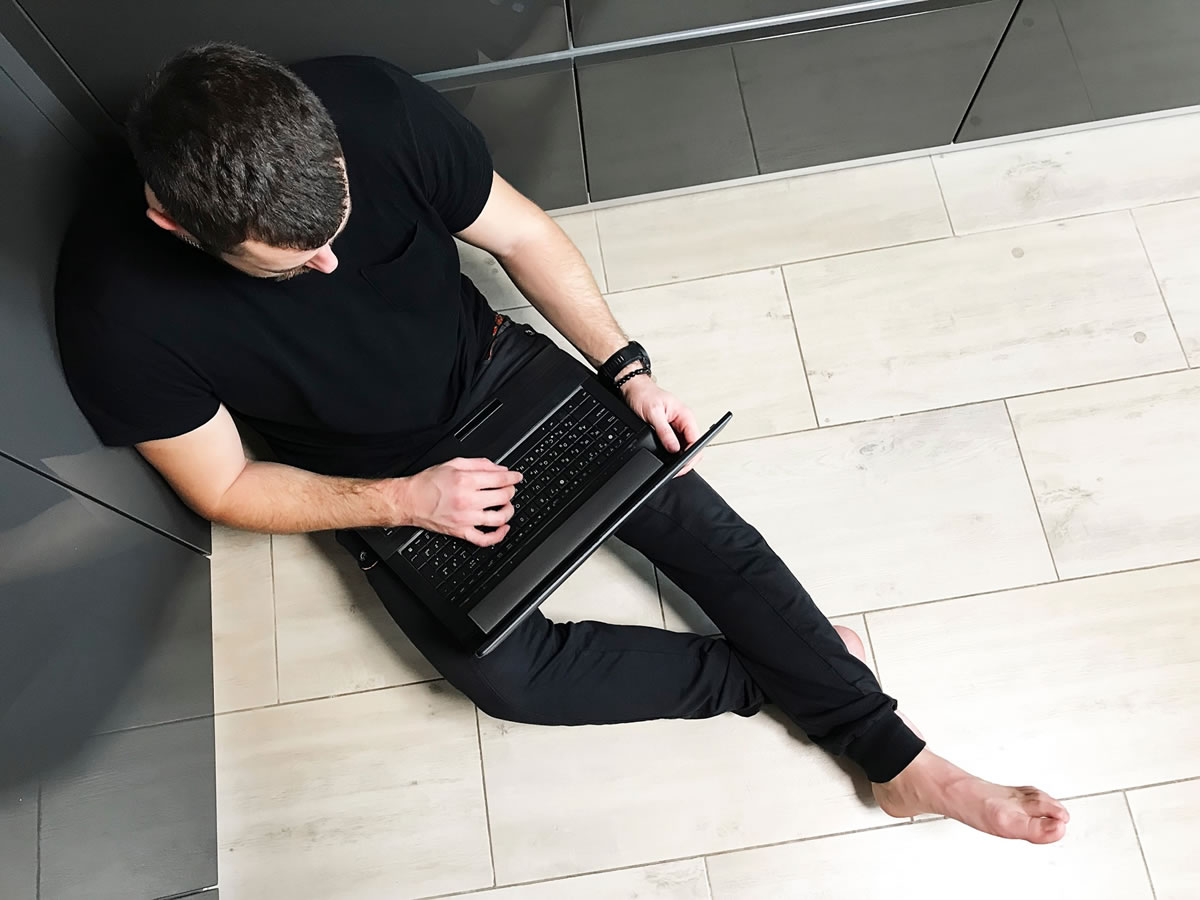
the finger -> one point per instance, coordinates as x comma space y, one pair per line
485, 538
501, 478
475, 463
494, 518
658, 420
685, 424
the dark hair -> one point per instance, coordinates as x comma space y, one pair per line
236, 147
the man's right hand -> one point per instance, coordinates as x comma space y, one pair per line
459, 496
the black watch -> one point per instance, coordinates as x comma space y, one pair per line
631, 352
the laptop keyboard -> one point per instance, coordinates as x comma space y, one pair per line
559, 460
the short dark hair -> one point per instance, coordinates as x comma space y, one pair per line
236, 147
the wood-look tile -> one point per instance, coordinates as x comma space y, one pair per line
334, 634
615, 585
1106, 168
1168, 820
943, 860
976, 318
684, 880
891, 512
576, 799
243, 620
1077, 687
724, 343
1114, 470
769, 223
491, 279
372, 796
1170, 233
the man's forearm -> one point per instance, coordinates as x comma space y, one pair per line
552, 273
281, 499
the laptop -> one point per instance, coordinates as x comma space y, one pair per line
588, 460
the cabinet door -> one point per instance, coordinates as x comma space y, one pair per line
104, 624
420, 37
1070, 61
40, 183
866, 90
531, 123
673, 118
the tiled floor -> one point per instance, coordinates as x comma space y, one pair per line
964, 415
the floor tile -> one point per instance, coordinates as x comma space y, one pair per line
944, 860
769, 223
1168, 820
243, 620
1114, 167
615, 585
891, 512
683, 880
724, 343
1170, 233
375, 795
1077, 687
976, 318
575, 799
491, 279
1114, 470
334, 634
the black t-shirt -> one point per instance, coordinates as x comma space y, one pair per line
340, 373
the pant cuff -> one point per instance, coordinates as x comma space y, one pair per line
886, 749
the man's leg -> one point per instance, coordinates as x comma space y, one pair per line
580, 673
816, 675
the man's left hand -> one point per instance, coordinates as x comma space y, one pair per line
664, 412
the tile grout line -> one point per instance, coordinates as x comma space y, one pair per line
1032, 493
871, 646
274, 617
812, 401
707, 876
281, 703
942, 193
1158, 284
1141, 850
487, 813
599, 250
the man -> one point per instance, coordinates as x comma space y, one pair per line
209, 286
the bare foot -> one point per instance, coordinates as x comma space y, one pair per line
930, 784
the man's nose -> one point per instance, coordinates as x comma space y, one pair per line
324, 260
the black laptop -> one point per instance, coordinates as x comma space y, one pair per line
588, 463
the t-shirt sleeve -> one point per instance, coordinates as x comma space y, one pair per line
451, 153
130, 387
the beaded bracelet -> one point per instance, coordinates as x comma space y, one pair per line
644, 370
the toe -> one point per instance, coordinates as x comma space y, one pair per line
1045, 831
1039, 803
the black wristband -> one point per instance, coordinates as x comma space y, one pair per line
644, 370
630, 353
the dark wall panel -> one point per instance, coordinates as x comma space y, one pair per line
41, 174
663, 122
114, 44
1033, 82
866, 90
104, 624
531, 123
132, 816
18, 841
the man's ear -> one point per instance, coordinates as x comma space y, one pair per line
161, 219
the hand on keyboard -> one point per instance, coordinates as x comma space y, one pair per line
459, 496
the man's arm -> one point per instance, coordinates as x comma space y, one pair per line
209, 470
553, 275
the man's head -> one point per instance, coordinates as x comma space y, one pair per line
242, 159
